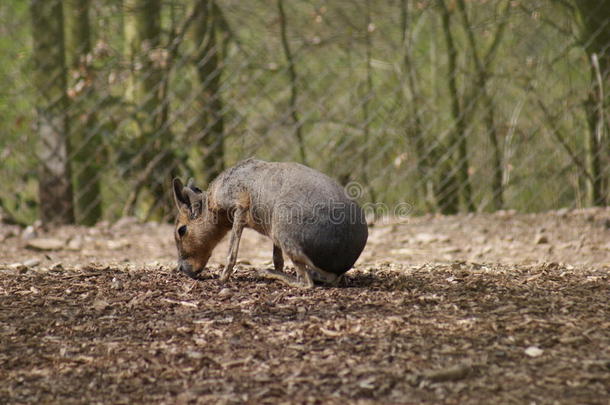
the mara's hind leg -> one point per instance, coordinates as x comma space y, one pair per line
303, 279
278, 258
304, 275
325, 277
287, 278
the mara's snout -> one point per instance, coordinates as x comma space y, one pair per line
185, 267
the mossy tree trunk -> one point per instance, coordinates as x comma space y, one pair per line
55, 185
208, 127
366, 102
595, 37
455, 177
483, 63
85, 137
152, 159
425, 151
292, 72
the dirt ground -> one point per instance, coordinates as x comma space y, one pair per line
505, 308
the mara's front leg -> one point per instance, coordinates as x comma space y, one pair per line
239, 222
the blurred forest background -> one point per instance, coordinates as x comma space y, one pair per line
449, 105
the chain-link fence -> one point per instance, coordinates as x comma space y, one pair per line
449, 105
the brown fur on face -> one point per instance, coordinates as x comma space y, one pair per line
198, 230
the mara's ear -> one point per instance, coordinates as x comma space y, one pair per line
181, 199
190, 184
197, 200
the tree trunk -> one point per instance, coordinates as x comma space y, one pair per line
594, 149
366, 97
294, 113
483, 67
209, 125
85, 139
55, 186
458, 146
142, 29
595, 35
497, 186
424, 151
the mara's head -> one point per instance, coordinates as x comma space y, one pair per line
196, 231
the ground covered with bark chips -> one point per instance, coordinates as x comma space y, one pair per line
506, 308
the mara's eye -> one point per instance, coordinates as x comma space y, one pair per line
182, 230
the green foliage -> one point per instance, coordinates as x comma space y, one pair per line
537, 85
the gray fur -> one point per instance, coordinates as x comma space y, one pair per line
307, 215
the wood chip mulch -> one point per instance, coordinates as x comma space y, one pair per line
452, 333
